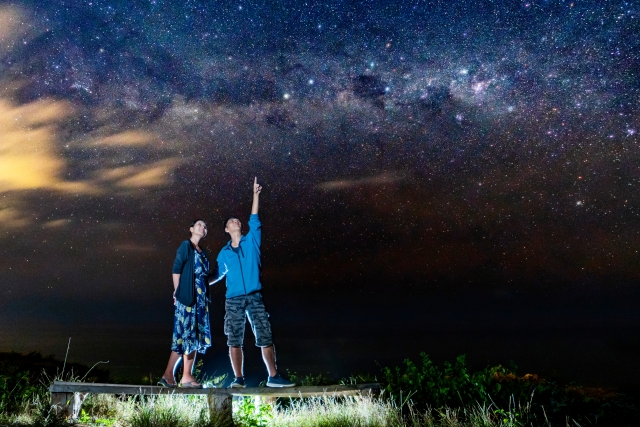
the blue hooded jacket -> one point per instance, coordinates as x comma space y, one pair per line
242, 269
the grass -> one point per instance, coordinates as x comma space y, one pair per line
414, 395
185, 411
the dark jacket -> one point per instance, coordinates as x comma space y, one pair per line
184, 266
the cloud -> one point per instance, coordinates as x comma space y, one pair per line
12, 218
153, 175
28, 157
56, 223
130, 247
126, 139
13, 27
33, 161
341, 184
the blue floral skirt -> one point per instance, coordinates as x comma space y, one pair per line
191, 329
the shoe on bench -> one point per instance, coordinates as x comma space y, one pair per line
278, 381
238, 383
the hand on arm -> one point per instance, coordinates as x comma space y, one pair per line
176, 282
257, 188
217, 274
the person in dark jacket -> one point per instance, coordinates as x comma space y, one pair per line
191, 330
239, 262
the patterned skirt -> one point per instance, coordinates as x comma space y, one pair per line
191, 329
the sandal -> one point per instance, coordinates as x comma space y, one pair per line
164, 383
190, 384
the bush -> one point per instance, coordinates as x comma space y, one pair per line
456, 386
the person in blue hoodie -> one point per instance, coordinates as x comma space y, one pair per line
239, 262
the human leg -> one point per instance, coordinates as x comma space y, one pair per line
188, 361
261, 328
234, 324
237, 360
168, 374
168, 377
269, 358
275, 379
185, 341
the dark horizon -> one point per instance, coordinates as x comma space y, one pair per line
447, 178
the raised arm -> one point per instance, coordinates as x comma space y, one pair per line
257, 188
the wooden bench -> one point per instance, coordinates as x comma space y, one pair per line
67, 397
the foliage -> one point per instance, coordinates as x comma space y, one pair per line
415, 394
85, 418
102, 409
24, 386
359, 379
168, 411
24, 398
338, 412
208, 381
310, 379
16, 389
36, 364
454, 385
252, 412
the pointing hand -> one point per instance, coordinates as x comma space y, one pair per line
257, 188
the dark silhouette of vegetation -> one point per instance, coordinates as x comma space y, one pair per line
25, 379
498, 391
455, 385
35, 364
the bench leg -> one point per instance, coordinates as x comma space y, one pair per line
220, 409
78, 399
61, 404
67, 404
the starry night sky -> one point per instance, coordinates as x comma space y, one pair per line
447, 177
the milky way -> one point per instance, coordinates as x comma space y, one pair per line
448, 178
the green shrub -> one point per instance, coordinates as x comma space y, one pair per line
456, 386
252, 412
310, 379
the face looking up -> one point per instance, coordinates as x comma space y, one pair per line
233, 224
199, 229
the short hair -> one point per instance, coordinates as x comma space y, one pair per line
224, 226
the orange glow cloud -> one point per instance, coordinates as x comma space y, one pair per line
127, 139
385, 178
12, 218
12, 26
133, 177
28, 158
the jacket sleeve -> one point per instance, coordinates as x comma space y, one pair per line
255, 230
181, 258
217, 272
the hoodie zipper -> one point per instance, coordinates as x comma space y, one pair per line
241, 272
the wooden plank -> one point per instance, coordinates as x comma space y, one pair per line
308, 391
67, 397
145, 390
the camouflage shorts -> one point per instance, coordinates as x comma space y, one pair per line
237, 310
